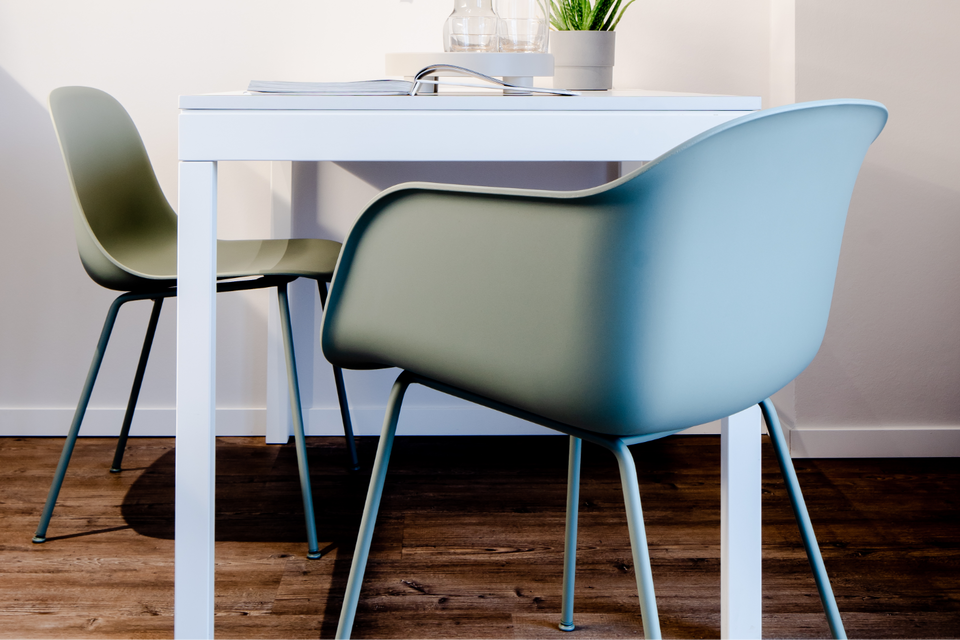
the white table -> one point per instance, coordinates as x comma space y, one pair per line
612, 127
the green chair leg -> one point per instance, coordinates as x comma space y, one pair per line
638, 540
365, 536
41, 534
137, 383
803, 519
570, 536
341, 395
296, 410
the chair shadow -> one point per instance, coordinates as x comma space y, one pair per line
258, 495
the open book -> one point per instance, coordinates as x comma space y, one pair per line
396, 87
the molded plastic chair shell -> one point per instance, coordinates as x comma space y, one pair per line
684, 292
126, 230
127, 239
638, 307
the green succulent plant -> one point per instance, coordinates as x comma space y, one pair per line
586, 15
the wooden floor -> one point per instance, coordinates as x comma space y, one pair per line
469, 542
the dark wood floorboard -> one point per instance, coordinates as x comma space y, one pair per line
469, 542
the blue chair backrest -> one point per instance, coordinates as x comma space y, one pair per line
681, 293
734, 239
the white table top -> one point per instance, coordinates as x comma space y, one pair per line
639, 100
626, 126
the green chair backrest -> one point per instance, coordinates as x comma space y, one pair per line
126, 230
681, 293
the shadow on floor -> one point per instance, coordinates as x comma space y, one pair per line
258, 496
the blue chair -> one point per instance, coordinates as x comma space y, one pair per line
684, 292
127, 239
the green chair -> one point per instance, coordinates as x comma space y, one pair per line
127, 238
684, 292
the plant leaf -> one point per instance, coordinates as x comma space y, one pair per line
559, 15
586, 15
611, 14
617, 21
599, 13
583, 13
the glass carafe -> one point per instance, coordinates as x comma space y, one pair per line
471, 27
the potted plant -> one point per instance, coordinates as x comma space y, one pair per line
583, 43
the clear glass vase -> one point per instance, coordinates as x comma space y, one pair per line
523, 26
471, 27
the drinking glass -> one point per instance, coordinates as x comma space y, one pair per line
523, 25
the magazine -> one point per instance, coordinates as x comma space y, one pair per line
397, 87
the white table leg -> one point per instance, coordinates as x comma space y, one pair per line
740, 524
196, 400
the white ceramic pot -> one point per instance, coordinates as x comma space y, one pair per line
582, 60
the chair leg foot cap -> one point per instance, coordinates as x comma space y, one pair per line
567, 627
115, 470
314, 555
39, 539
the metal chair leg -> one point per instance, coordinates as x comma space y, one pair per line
137, 383
803, 519
313, 548
355, 580
638, 540
345, 417
41, 534
341, 395
570, 536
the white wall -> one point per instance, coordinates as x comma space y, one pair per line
148, 53
887, 380
884, 383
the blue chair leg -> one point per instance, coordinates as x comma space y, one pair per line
638, 540
345, 418
803, 519
341, 395
365, 536
570, 536
137, 383
313, 548
41, 534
